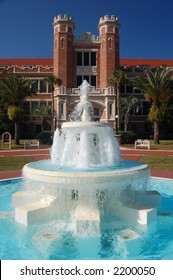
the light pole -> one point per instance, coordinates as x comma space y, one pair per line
116, 124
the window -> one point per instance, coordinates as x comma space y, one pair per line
146, 107
26, 107
42, 86
49, 88
34, 105
110, 108
110, 43
79, 80
79, 58
86, 58
61, 109
93, 58
62, 42
93, 81
43, 103
129, 89
34, 86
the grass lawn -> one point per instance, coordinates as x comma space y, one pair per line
14, 163
158, 162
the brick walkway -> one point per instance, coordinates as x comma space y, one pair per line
130, 154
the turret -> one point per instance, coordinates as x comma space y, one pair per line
109, 47
64, 60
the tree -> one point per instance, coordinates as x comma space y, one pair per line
15, 114
116, 79
52, 81
13, 90
157, 86
45, 113
127, 104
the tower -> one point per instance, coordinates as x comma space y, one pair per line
64, 54
109, 47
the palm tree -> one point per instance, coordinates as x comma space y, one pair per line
13, 90
157, 86
116, 79
127, 104
45, 113
52, 81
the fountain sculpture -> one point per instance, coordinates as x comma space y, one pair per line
85, 179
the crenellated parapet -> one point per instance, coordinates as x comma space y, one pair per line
63, 18
111, 19
108, 24
62, 23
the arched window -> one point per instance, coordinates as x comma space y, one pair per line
62, 42
61, 108
110, 43
110, 108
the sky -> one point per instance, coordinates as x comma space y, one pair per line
146, 30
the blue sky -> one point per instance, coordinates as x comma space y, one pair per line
146, 25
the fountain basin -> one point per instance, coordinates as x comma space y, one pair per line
103, 189
115, 176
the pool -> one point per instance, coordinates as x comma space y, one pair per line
56, 240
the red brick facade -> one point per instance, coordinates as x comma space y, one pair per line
109, 48
106, 47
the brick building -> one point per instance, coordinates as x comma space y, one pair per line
89, 57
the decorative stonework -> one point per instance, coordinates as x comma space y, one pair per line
86, 69
87, 37
26, 68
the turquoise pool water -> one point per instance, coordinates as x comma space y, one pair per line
47, 165
56, 240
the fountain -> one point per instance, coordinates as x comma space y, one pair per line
85, 179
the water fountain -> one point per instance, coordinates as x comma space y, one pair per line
85, 180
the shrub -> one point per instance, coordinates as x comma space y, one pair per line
45, 137
128, 137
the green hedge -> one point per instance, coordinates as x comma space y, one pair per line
128, 137
45, 137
